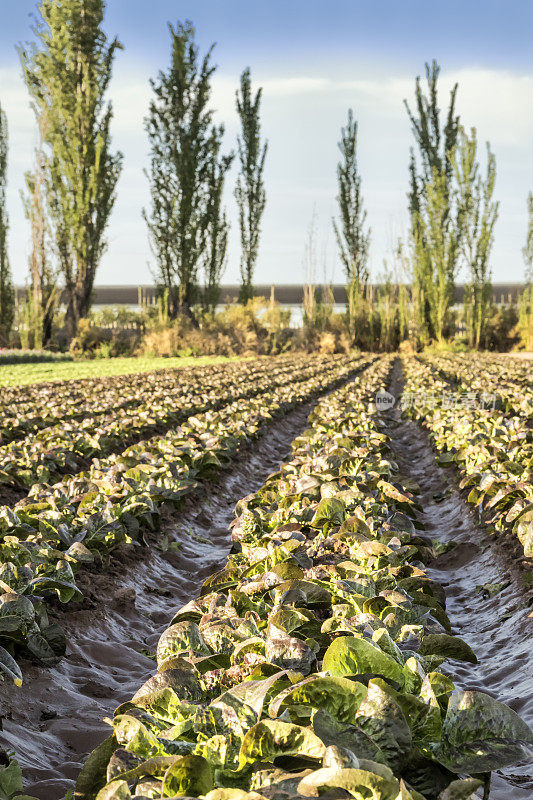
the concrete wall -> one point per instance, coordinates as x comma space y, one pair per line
289, 294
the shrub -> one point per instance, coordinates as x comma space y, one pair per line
31, 357
328, 343
93, 341
524, 327
256, 328
501, 330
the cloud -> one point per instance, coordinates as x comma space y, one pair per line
286, 87
497, 103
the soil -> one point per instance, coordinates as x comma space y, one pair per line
55, 720
499, 629
10, 495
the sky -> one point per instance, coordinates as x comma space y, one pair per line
314, 60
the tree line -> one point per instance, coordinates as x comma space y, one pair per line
71, 189
452, 215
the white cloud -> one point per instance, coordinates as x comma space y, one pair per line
286, 87
498, 104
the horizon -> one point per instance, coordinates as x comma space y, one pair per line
312, 68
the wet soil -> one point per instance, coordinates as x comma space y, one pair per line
500, 628
55, 720
10, 495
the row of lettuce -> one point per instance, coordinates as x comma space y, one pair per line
60, 399
491, 448
148, 407
310, 664
29, 409
498, 381
51, 404
46, 538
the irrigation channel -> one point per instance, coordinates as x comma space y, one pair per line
497, 628
56, 719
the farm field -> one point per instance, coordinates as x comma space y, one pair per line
266, 407
24, 374
261, 579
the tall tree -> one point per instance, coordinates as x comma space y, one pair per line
250, 190
527, 250
7, 291
44, 293
480, 213
431, 197
436, 254
185, 145
67, 71
351, 232
525, 307
215, 253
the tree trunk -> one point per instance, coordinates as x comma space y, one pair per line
71, 315
78, 303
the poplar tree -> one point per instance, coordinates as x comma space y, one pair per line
7, 291
44, 292
527, 250
186, 175
216, 247
525, 306
67, 70
353, 237
250, 190
436, 253
479, 212
431, 205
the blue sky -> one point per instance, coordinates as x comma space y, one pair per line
315, 60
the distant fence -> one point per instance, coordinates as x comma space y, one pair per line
286, 294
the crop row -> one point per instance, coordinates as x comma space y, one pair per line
492, 450
47, 537
502, 381
30, 409
48, 404
309, 665
66, 448
40, 395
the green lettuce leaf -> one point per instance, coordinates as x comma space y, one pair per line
480, 735
348, 655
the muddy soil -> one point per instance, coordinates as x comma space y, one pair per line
499, 629
55, 720
10, 495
